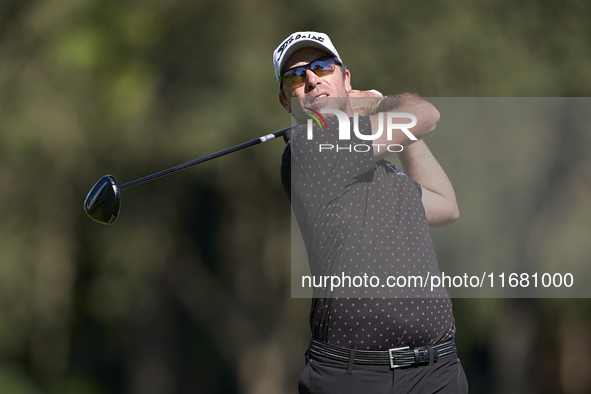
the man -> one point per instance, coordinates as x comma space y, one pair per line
360, 214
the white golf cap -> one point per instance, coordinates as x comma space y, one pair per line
299, 40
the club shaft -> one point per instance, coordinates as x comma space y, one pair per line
206, 158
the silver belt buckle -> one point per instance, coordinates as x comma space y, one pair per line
391, 357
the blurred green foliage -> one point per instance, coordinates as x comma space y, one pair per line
189, 290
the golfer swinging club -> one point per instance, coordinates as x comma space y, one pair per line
359, 213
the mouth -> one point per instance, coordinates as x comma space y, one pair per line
319, 97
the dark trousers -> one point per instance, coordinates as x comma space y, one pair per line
325, 376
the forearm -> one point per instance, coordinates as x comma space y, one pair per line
439, 198
426, 114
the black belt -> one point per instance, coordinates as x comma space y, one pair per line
396, 357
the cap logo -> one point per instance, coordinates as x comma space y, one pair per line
292, 38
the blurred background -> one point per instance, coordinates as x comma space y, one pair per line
189, 291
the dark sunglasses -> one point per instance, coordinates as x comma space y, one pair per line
296, 76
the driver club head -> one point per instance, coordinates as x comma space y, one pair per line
103, 201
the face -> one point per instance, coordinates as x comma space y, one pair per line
317, 92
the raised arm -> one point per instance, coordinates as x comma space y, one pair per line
418, 162
439, 199
426, 114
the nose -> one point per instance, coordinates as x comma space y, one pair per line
311, 79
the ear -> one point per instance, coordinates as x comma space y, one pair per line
284, 102
347, 81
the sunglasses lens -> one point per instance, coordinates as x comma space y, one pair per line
294, 79
323, 67
296, 76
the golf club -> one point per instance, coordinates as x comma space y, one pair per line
103, 202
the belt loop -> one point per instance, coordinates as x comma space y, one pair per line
431, 354
351, 359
